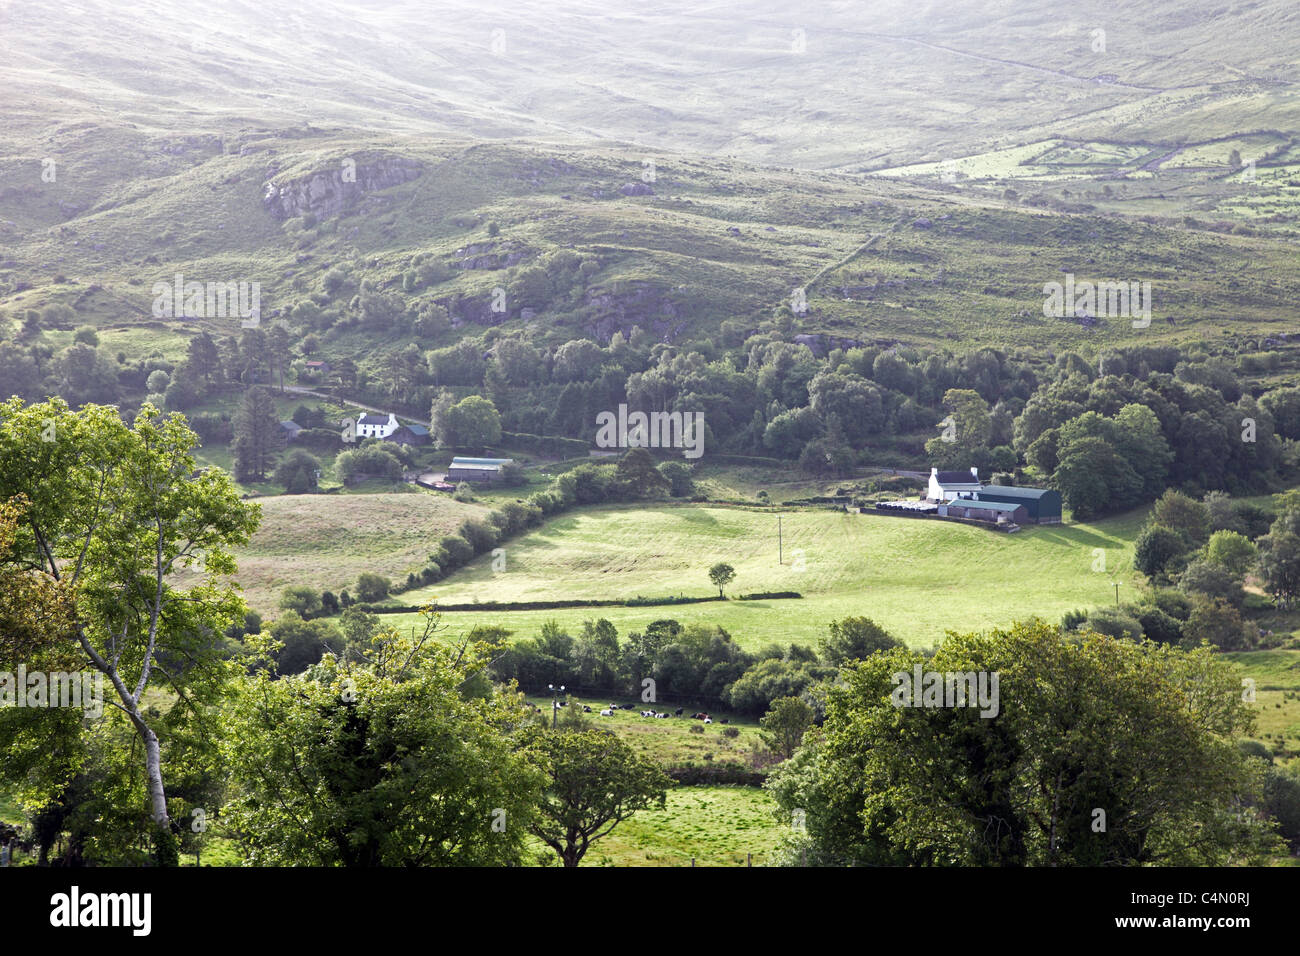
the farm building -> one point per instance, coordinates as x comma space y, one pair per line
949, 485
409, 435
374, 426
477, 469
1000, 512
290, 430
1042, 505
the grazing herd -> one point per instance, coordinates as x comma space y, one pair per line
609, 712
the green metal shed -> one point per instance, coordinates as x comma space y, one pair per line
1042, 504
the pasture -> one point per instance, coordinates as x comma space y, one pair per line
918, 578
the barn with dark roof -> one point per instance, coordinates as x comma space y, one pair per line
1042, 505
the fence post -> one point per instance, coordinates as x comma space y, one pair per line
749, 859
692, 863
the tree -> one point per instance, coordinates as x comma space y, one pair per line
681, 483
1094, 479
596, 782
1232, 551
1141, 731
1187, 516
1279, 564
854, 639
302, 599
388, 764
279, 350
637, 474
785, 724
1156, 551
114, 512
1217, 621
297, 472
372, 587
721, 575
473, 423
257, 435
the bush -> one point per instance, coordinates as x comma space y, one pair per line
696, 729
731, 732
302, 600
458, 550
481, 536
464, 492
372, 587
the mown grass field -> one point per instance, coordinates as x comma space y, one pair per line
716, 826
918, 578
327, 541
1277, 693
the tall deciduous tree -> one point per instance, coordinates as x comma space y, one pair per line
596, 782
114, 511
1095, 752
394, 763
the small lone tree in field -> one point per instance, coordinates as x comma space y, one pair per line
721, 575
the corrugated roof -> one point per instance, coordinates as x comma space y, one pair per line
1013, 491
479, 461
985, 505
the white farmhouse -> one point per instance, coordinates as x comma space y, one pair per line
950, 485
372, 426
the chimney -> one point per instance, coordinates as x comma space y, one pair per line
934, 471
975, 473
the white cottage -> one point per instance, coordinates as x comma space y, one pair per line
372, 426
950, 485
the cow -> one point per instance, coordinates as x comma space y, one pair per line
647, 713
708, 720
723, 720
661, 715
678, 711
607, 713
586, 709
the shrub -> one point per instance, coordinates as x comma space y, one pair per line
732, 732
372, 587
458, 550
697, 729
481, 536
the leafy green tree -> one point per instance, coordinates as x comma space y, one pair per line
596, 782
389, 764
1143, 732
1187, 516
1094, 479
679, 474
637, 474
1217, 621
1158, 550
1279, 563
473, 423
721, 574
785, 724
754, 691
855, 638
302, 599
1232, 551
114, 510
297, 472
300, 643
372, 587
1212, 580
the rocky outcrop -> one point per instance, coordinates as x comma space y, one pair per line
329, 192
637, 304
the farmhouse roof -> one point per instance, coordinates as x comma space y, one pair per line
956, 478
368, 419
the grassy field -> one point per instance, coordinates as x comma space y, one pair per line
327, 541
1277, 690
716, 826
918, 578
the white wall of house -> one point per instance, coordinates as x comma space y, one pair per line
381, 430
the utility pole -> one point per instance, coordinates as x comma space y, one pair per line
780, 549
